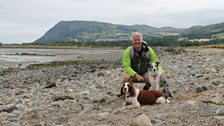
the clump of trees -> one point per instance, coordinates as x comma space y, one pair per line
1, 44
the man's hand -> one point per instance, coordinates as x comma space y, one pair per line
139, 78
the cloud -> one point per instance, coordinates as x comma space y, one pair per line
34, 17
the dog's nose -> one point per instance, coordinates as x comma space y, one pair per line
125, 89
154, 69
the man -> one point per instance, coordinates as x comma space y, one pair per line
135, 59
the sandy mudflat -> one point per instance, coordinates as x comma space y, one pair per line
9, 57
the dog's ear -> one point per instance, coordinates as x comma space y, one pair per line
132, 91
131, 82
157, 63
148, 65
121, 92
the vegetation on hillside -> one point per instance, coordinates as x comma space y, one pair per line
92, 31
101, 34
156, 41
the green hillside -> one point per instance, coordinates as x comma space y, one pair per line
92, 31
209, 31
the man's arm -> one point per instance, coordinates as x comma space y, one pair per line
126, 61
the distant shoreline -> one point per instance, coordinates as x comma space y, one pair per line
220, 46
54, 47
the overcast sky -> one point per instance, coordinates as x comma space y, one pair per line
23, 21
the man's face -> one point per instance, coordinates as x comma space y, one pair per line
137, 42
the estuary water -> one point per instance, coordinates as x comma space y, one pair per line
14, 57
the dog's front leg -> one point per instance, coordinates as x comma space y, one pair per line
133, 101
157, 86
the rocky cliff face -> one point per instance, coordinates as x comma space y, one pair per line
85, 93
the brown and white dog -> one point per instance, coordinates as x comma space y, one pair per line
139, 97
154, 75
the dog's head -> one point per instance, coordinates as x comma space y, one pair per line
153, 68
127, 89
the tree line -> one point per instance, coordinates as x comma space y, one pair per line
157, 41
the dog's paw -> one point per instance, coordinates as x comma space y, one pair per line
167, 101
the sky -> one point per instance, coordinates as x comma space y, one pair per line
24, 21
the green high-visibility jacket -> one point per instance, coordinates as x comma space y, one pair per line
127, 61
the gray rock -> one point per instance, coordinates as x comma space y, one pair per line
50, 84
11, 115
205, 88
20, 107
141, 120
159, 123
199, 90
86, 92
13, 124
215, 99
156, 121
160, 116
57, 98
101, 74
212, 70
17, 112
211, 86
38, 114
198, 75
220, 111
8, 108
216, 83
102, 116
87, 109
117, 111
109, 110
219, 117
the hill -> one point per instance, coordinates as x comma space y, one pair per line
92, 31
214, 31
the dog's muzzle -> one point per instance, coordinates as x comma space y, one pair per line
125, 90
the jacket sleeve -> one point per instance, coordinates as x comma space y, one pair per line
153, 58
126, 62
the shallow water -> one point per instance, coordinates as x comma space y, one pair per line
26, 58
14, 57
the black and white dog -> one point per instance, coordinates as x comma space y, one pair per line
156, 80
154, 75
